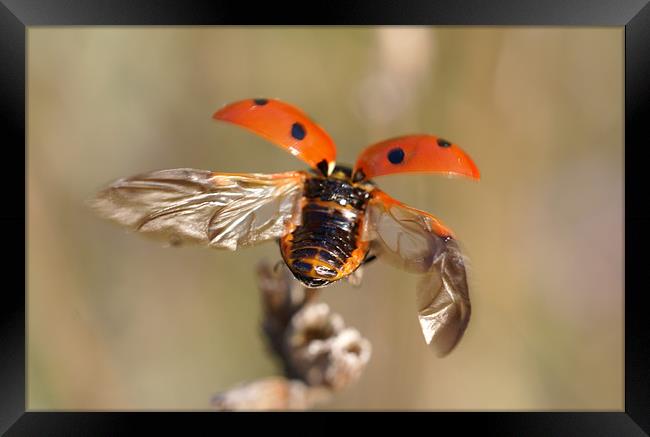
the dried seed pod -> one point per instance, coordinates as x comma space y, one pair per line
319, 353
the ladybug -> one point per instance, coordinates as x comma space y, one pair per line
329, 221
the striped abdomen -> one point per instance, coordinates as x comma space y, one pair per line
326, 246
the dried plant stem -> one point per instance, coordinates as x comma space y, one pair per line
318, 353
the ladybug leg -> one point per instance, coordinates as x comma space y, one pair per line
369, 258
356, 277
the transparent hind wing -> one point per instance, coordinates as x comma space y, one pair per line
419, 243
220, 210
443, 302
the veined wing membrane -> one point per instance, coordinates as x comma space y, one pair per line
221, 210
419, 243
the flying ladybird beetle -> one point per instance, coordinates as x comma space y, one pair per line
328, 221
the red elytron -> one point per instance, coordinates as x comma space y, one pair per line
328, 221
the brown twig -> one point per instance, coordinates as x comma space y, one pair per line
318, 353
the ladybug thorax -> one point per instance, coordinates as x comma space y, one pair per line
326, 246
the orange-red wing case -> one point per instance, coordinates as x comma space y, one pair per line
286, 126
414, 153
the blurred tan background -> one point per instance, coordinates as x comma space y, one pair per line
117, 321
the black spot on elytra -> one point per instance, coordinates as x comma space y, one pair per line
323, 166
260, 102
298, 131
443, 143
396, 155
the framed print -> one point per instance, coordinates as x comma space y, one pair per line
535, 107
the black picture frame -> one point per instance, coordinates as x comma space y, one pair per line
634, 15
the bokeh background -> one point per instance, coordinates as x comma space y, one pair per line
116, 321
